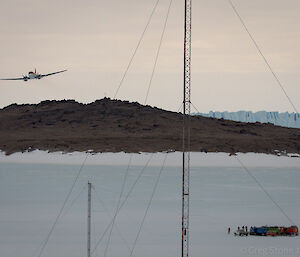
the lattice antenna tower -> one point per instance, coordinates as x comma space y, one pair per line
186, 128
89, 219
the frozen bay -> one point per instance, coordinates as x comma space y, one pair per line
32, 192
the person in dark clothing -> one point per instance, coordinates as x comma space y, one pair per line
228, 231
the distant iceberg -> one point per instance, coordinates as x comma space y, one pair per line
285, 119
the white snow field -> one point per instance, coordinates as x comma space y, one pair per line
33, 187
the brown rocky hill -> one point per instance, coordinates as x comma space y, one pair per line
113, 126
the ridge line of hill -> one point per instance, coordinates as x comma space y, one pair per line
115, 126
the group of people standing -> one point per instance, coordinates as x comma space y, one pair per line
244, 228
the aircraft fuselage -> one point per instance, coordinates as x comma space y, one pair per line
32, 75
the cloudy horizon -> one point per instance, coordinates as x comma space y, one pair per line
95, 40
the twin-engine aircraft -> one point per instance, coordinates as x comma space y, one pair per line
35, 75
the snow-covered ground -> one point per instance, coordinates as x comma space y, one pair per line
199, 159
34, 185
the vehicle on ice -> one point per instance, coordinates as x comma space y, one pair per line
274, 231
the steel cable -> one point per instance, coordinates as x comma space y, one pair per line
61, 209
123, 203
149, 204
263, 56
111, 217
118, 205
136, 48
261, 186
158, 50
264, 190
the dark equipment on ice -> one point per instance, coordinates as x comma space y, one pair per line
269, 231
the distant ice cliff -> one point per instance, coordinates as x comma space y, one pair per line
284, 119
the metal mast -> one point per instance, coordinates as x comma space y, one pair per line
89, 220
186, 129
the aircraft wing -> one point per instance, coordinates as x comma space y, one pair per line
49, 74
15, 79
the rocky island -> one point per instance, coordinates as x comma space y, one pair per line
114, 126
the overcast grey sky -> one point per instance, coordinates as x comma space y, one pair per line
95, 39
